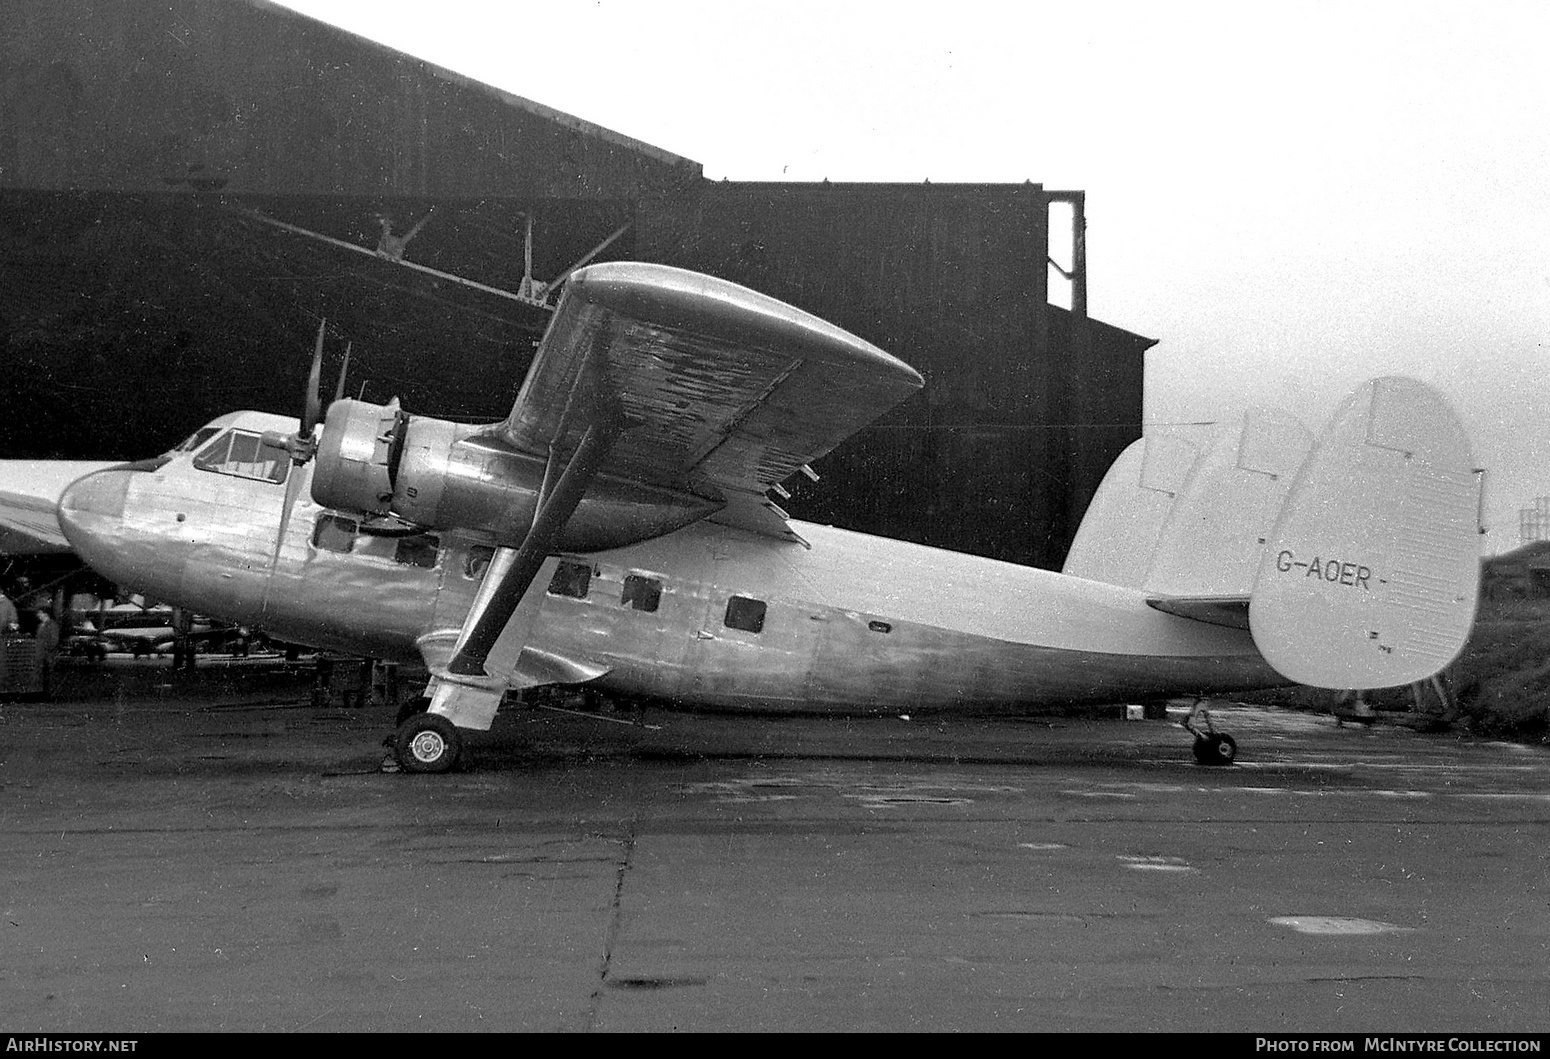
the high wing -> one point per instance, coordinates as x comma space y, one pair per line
718, 390
672, 379
29, 495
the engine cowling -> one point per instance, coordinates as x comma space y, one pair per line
378, 460
358, 456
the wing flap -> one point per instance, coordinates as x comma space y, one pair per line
756, 513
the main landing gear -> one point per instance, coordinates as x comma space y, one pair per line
423, 742
427, 742
1211, 747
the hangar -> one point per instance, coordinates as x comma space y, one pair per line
186, 187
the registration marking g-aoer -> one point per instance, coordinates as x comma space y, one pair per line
1334, 571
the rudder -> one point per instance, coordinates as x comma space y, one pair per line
1371, 574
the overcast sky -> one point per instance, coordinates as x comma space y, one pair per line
1292, 197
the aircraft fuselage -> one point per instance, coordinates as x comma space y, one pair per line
706, 615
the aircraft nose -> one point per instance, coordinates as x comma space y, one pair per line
117, 523
92, 507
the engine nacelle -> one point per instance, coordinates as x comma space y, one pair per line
358, 457
442, 475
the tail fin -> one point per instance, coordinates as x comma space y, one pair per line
1211, 542
1371, 574
1120, 530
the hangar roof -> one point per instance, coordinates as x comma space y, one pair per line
250, 97
559, 117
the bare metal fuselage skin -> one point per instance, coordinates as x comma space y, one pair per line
852, 623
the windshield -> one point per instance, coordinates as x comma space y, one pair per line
244, 454
196, 439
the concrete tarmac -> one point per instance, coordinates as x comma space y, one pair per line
216, 854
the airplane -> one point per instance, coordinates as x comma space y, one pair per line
616, 531
141, 630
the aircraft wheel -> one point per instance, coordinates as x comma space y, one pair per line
427, 742
1216, 749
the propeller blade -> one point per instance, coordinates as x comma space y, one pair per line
311, 410
301, 447
343, 371
292, 487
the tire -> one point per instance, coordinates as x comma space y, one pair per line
1216, 749
427, 742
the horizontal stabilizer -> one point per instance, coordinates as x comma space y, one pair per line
1230, 612
1370, 576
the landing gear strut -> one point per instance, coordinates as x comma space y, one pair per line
1211, 747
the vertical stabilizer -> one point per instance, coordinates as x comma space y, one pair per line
1371, 574
1119, 531
1215, 534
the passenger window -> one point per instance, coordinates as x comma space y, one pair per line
478, 561
243, 454
571, 579
335, 533
746, 614
642, 593
417, 551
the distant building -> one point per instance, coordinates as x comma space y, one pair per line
1534, 522
1523, 573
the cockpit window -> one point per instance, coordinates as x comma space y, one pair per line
197, 438
243, 453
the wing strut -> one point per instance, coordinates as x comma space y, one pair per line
554, 510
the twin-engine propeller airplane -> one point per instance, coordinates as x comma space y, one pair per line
614, 530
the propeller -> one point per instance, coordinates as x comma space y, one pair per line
343, 371
302, 445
